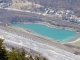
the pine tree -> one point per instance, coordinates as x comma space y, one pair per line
3, 52
15, 54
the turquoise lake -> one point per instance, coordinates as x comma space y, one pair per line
54, 33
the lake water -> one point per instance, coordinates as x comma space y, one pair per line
54, 33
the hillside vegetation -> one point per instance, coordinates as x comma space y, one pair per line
15, 54
73, 5
61, 4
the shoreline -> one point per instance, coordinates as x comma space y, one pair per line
52, 26
78, 39
35, 34
66, 28
71, 40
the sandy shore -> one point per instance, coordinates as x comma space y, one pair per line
77, 40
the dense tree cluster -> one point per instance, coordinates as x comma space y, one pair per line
15, 54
